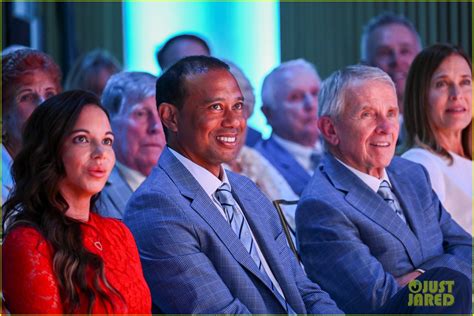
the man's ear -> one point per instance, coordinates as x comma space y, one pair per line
328, 130
169, 116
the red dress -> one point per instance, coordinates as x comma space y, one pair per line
30, 285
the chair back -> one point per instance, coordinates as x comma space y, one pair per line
289, 233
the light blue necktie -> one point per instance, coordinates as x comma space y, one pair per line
241, 228
386, 192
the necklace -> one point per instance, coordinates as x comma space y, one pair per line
98, 245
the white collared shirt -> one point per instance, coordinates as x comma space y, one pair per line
210, 183
132, 177
372, 182
302, 154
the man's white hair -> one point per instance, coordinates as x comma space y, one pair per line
332, 97
272, 80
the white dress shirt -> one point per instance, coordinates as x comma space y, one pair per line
372, 182
132, 177
301, 153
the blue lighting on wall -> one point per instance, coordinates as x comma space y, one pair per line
247, 33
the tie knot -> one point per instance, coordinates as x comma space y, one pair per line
224, 196
384, 185
385, 190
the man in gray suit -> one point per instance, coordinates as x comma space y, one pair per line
290, 104
369, 224
209, 240
139, 138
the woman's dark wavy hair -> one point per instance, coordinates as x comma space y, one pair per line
35, 200
415, 106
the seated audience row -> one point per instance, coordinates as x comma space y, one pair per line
368, 223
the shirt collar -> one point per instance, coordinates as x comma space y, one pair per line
372, 182
301, 153
209, 182
132, 177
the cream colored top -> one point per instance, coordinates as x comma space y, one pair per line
452, 183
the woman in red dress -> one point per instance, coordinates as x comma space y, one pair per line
58, 255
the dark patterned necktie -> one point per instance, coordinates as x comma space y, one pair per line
241, 228
386, 192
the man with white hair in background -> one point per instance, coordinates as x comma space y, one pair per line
290, 103
139, 138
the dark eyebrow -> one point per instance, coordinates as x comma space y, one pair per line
208, 101
25, 89
87, 132
78, 131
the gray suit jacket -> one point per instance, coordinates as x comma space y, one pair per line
195, 263
354, 245
114, 196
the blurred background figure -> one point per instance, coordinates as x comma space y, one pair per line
59, 256
252, 164
139, 138
91, 71
253, 136
438, 109
28, 78
391, 42
12, 48
180, 46
290, 104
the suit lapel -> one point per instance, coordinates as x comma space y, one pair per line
202, 205
265, 239
362, 198
120, 191
406, 195
294, 173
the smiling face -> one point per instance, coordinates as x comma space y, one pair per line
209, 128
294, 117
392, 48
33, 90
87, 155
139, 136
450, 95
366, 132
